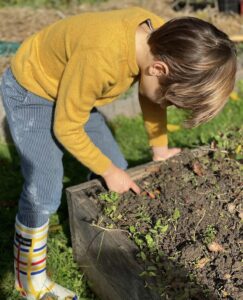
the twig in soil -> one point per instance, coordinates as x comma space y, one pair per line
238, 196
101, 243
194, 235
211, 149
147, 193
109, 229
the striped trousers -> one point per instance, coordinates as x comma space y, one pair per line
30, 120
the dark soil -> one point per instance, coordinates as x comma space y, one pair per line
186, 224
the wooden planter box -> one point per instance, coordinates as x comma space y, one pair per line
107, 256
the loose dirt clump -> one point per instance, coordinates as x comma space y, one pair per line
186, 224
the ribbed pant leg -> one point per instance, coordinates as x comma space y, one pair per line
100, 134
30, 119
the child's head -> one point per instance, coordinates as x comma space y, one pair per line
202, 66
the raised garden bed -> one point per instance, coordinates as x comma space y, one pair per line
179, 239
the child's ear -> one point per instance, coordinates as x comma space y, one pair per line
158, 68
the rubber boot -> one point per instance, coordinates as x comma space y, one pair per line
31, 280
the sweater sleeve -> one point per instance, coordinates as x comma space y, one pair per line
83, 82
155, 121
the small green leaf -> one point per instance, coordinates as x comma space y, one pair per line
66, 179
138, 241
164, 228
143, 255
176, 214
158, 223
132, 229
149, 240
152, 274
151, 268
144, 273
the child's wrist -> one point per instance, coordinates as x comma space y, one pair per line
159, 149
109, 171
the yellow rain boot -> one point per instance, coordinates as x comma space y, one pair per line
31, 280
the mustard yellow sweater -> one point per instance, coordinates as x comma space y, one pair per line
82, 62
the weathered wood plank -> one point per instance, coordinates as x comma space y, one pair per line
106, 256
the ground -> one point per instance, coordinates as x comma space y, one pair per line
186, 224
18, 23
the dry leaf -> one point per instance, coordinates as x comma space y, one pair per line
231, 208
202, 262
213, 145
241, 215
215, 247
238, 149
234, 96
197, 168
227, 276
151, 195
173, 128
54, 228
224, 294
146, 183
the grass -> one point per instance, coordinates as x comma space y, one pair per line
131, 136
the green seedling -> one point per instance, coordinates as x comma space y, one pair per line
150, 241
176, 214
139, 242
109, 210
109, 197
143, 216
160, 228
209, 234
132, 229
150, 271
137, 237
143, 256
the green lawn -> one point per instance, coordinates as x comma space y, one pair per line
226, 130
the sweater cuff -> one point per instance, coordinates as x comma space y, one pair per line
102, 167
159, 141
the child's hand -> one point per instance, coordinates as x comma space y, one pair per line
119, 181
163, 153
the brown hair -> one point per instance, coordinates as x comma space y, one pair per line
202, 66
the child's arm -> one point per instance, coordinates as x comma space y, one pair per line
155, 120
83, 83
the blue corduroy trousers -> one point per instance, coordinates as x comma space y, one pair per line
30, 120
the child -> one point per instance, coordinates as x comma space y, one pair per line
63, 72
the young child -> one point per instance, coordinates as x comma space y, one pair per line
58, 77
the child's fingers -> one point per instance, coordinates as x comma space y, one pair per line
135, 188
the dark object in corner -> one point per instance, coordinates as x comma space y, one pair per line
229, 6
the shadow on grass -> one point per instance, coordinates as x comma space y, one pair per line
10, 187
